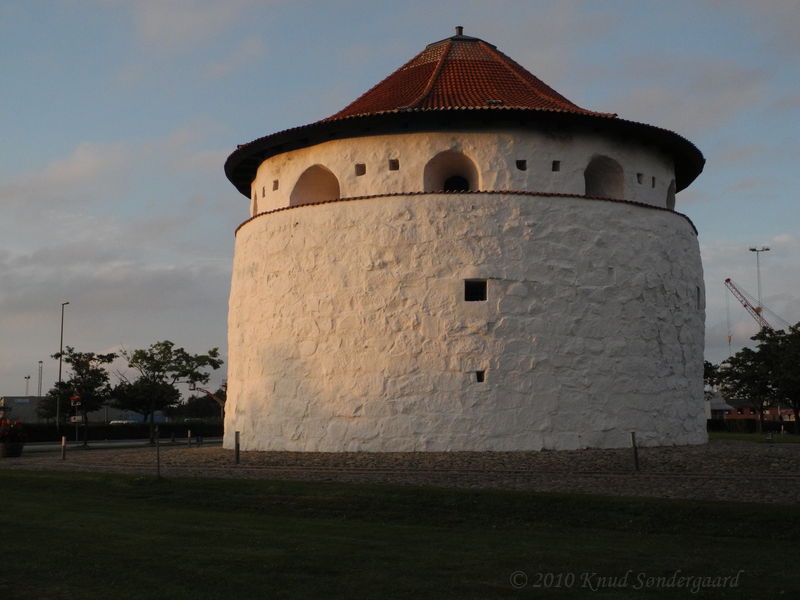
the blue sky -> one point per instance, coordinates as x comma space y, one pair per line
117, 118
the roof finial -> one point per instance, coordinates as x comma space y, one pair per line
459, 30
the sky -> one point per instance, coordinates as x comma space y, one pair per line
117, 117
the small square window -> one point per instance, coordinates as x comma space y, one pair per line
556, 166
475, 290
274, 184
480, 376
394, 164
522, 165
653, 181
263, 191
639, 178
361, 169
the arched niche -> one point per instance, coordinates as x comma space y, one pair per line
603, 177
254, 204
316, 184
450, 171
671, 195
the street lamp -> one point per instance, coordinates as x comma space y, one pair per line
39, 388
758, 252
60, 352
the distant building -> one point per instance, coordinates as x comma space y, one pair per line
463, 259
19, 408
23, 408
770, 414
716, 407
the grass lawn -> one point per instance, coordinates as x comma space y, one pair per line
761, 438
101, 536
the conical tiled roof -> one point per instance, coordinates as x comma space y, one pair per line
460, 72
475, 85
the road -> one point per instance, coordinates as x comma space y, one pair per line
55, 446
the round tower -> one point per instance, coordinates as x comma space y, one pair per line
463, 259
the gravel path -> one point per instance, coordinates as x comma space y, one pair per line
736, 471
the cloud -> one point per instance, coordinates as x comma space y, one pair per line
115, 297
95, 165
753, 182
780, 272
143, 252
687, 94
249, 49
536, 40
785, 103
776, 21
87, 162
101, 170
179, 25
788, 241
117, 271
170, 31
737, 154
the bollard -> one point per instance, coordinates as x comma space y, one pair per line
237, 448
158, 454
63, 447
189, 437
635, 451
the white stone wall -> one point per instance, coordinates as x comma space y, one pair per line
348, 329
494, 153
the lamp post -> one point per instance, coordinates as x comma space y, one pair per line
60, 352
758, 252
39, 387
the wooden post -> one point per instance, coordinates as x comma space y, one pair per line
188, 437
63, 447
237, 448
635, 451
158, 453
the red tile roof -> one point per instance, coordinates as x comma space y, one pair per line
475, 85
456, 73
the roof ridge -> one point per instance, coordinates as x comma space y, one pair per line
432, 79
522, 75
402, 67
505, 60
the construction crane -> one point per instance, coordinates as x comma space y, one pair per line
755, 311
220, 401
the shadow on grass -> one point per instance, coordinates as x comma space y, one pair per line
101, 535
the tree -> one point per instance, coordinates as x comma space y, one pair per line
711, 378
745, 381
144, 397
199, 407
208, 405
88, 384
781, 354
161, 367
48, 405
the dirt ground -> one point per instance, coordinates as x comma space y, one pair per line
720, 470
